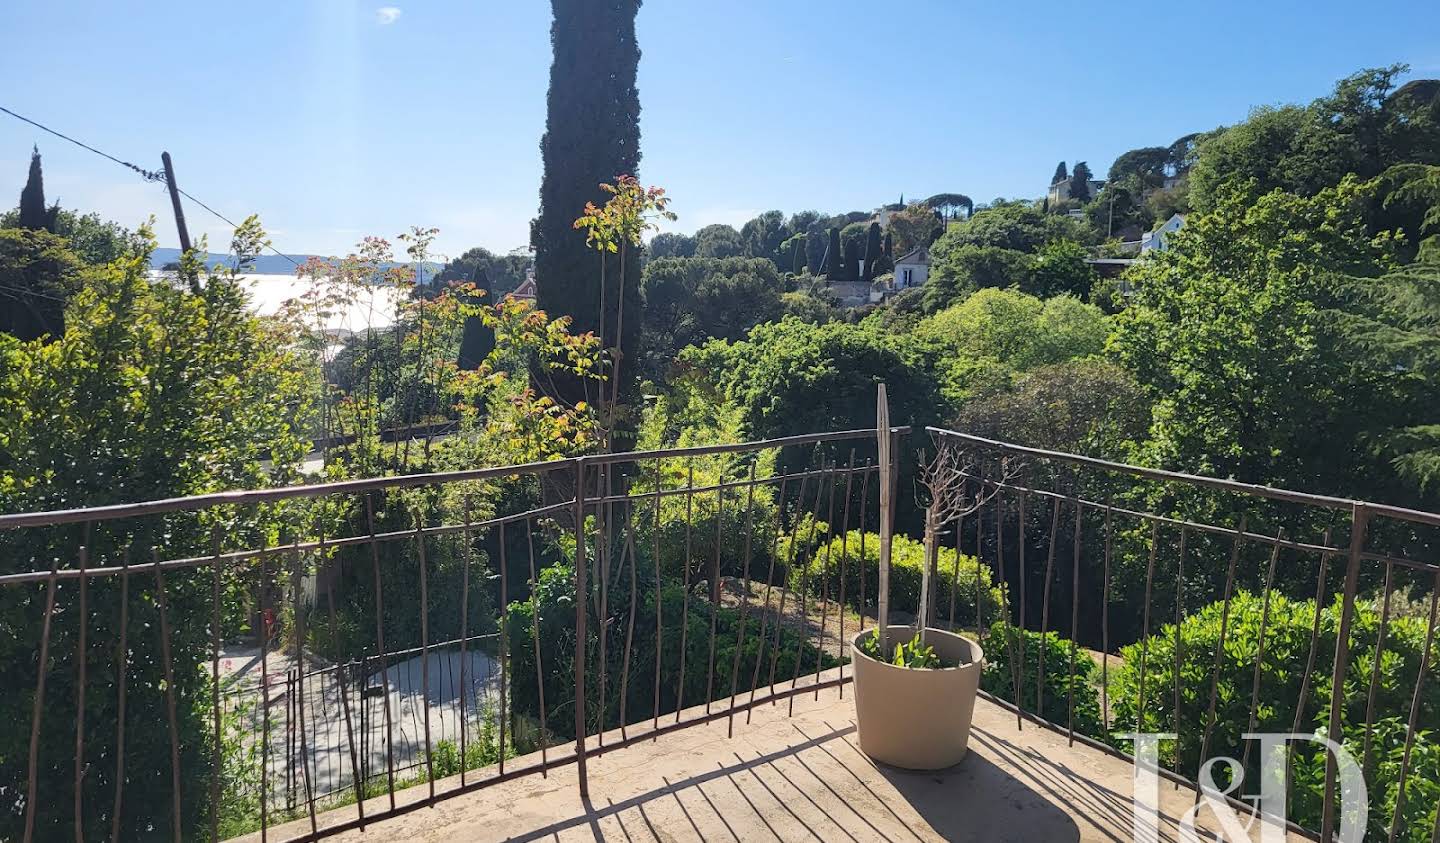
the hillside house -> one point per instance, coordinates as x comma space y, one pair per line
912, 268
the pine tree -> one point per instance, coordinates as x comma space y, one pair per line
592, 134
833, 262
33, 213
873, 250
1061, 174
1080, 183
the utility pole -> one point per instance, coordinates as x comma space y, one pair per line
179, 217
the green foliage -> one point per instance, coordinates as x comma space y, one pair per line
691, 300
1287, 634
151, 392
857, 550
795, 377
1060, 269
1084, 406
718, 241
1004, 648
33, 213
554, 599
958, 269
504, 272
1234, 327
1080, 182
911, 654
38, 274
1017, 329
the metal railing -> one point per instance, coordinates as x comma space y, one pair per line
1141, 555
212, 665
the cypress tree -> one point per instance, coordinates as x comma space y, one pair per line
1080, 183
833, 268
873, 250
889, 245
33, 214
478, 339
797, 263
592, 134
1061, 174
852, 260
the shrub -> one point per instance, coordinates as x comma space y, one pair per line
999, 677
856, 550
1287, 645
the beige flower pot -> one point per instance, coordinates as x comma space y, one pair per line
917, 719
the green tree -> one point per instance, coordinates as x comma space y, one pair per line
690, 300
1080, 182
478, 339
1061, 174
762, 238
852, 261
502, 272
592, 134
834, 263
958, 269
33, 213
1235, 327
38, 274
1142, 169
951, 204
669, 245
1060, 268
718, 241
875, 263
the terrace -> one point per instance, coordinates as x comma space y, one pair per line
721, 587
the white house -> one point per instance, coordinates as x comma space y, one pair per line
1158, 239
912, 268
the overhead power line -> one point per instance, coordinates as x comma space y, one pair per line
148, 175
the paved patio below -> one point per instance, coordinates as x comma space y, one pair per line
793, 778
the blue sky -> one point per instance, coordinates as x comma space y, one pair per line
334, 119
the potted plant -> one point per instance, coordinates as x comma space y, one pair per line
915, 686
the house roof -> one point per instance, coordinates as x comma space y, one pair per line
526, 290
919, 255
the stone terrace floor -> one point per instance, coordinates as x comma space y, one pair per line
794, 778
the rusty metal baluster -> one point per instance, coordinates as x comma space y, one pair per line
1020, 570
1375, 668
659, 604
790, 569
1145, 627
844, 555
1179, 621
715, 592
582, 597
825, 585
744, 600
380, 645
299, 633
1105, 625
1074, 619
1310, 660
535, 639
1359, 522
1045, 611
685, 604
342, 678
1414, 710
1260, 645
955, 572
122, 669
466, 559
162, 605
425, 647
628, 549
602, 561
504, 652
765, 604
215, 679
39, 708
1011, 632
265, 626
803, 594
1220, 647
83, 558
980, 593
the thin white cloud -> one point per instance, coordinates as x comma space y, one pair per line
386, 15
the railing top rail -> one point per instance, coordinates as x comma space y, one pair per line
404, 481
1286, 495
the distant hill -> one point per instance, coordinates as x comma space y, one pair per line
264, 264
